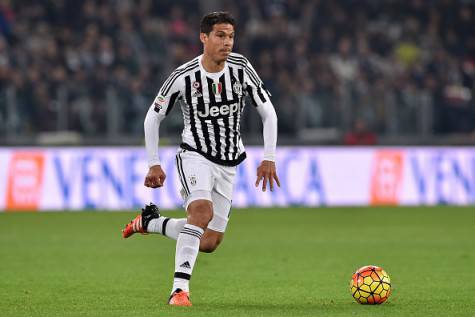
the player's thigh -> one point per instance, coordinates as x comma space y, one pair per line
222, 196
196, 177
221, 213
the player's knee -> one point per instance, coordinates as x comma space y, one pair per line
200, 213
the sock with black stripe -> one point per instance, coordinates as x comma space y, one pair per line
187, 248
169, 227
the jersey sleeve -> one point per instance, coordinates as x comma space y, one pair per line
261, 100
255, 87
166, 98
171, 90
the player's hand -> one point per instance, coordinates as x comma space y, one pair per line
266, 172
155, 177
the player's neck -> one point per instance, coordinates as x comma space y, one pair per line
210, 65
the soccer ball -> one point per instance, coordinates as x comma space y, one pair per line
370, 285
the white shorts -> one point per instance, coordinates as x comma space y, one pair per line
203, 179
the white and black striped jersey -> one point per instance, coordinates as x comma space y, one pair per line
212, 104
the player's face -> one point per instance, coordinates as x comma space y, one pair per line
218, 44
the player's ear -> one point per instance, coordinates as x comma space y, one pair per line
203, 37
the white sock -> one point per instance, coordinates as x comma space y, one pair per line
169, 227
187, 248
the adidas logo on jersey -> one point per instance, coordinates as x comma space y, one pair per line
197, 94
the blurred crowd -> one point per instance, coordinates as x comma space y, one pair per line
384, 67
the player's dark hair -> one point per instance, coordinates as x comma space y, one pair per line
213, 18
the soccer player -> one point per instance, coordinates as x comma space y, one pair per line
211, 90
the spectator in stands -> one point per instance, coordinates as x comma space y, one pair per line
332, 61
360, 135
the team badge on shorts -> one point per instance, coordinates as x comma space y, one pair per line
193, 180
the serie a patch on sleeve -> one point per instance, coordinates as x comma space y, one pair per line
159, 103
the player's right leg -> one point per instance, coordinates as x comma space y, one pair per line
221, 197
214, 233
200, 212
197, 179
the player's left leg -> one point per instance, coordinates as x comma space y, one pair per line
214, 233
151, 221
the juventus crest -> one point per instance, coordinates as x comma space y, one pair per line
237, 88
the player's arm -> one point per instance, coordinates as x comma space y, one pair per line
161, 106
266, 172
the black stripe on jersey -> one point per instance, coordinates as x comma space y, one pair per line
240, 63
171, 103
261, 95
258, 90
235, 119
204, 127
173, 77
253, 74
243, 62
246, 65
241, 80
227, 130
238, 116
249, 92
227, 102
194, 131
258, 85
253, 77
212, 102
237, 63
201, 103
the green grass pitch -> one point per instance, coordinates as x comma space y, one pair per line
273, 262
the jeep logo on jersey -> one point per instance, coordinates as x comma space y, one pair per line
215, 111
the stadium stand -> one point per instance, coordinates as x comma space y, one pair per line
403, 69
